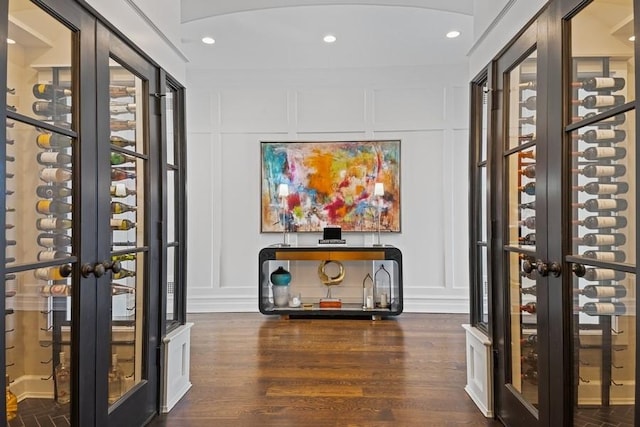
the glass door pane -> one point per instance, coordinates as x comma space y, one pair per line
40, 148
520, 171
128, 185
603, 144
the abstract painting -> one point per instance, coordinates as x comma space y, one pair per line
330, 184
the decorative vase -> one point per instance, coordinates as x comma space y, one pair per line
280, 277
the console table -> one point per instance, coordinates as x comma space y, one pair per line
371, 285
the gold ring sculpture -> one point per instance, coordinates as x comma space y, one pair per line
330, 281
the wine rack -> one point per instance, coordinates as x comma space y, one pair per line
601, 165
127, 164
524, 297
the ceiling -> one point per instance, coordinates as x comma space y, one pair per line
287, 34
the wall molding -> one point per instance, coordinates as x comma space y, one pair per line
499, 17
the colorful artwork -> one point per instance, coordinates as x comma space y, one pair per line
330, 183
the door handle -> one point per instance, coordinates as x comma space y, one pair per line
96, 269
114, 266
545, 268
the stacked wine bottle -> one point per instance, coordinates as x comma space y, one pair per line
600, 207
526, 164
54, 205
123, 188
10, 236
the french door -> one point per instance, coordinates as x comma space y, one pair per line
82, 213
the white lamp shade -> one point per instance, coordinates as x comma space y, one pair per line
283, 190
378, 189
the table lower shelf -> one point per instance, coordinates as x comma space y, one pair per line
347, 309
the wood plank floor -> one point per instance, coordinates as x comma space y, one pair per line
253, 370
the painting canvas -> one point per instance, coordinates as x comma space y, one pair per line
330, 184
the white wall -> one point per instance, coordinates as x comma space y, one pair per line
155, 30
229, 112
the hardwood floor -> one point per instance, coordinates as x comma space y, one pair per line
253, 370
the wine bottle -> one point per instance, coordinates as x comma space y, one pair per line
121, 190
595, 274
121, 224
11, 401
53, 140
9, 158
530, 85
529, 307
529, 103
48, 158
600, 101
121, 91
57, 290
530, 341
118, 174
55, 175
48, 224
528, 120
10, 243
529, 290
121, 108
52, 255
594, 239
524, 139
10, 141
600, 83
603, 291
609, 188
529, 188
119, 158
616, 120
593, 222
118, 208
530, 205
529, 171
121, 142
531, 375
613, 256
49, 92
123, 257
531, 358
12, 108
529, 239
602, 153
595, 136
118, 289
593, 171
118, 125
53, 207
603, 308
123, 274
48, 273
530, 154
529, 222
62, 376
51, 240
599, 205
11, 90
53, 191
50, 109
8, 226
115, 380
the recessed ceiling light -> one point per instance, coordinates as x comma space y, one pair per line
329, 38
632, 38
453, 34
11, 41
208, 40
